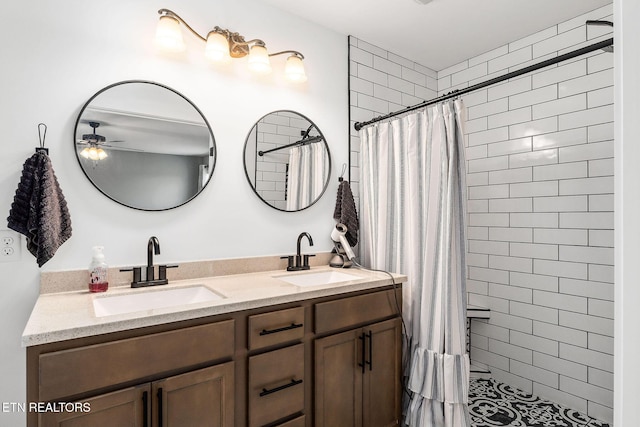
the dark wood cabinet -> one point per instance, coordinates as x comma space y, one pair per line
130, 359
244, 369
200, 398
125, 408
358, 377
338, 380
382, 382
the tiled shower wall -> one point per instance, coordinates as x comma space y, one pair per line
540, 235
380, 83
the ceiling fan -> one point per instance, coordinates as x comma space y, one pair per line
95, 142
94, 151
92, 138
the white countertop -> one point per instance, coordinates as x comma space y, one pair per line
68, 315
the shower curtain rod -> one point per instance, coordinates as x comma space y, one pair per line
293, 144
569, 55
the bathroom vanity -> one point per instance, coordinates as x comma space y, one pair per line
266, 353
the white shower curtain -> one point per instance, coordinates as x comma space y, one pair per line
307, 169
412, 209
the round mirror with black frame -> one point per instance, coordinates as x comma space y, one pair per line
287, 161
144, 145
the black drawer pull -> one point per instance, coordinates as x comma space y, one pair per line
286, 328
282, 387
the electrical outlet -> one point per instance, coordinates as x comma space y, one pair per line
9, 246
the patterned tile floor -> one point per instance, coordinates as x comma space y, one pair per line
493, 404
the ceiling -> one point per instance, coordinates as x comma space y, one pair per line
147, 134
443, 32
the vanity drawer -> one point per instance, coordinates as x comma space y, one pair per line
276, 327
358, 310
276, 387
79, 370
296, 422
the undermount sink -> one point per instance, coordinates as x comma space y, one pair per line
318, 278
152, 299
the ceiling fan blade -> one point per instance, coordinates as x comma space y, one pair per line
121, 148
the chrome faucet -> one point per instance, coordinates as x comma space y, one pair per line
153, 246
299, 263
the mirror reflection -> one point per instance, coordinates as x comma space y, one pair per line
287, 161
144, 145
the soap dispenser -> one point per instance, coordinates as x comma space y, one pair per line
98, 281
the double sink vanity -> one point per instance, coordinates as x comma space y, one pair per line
263, 348
242, 342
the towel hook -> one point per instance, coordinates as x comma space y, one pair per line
344, 169
42, 135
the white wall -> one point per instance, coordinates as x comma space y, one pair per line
627, 207
61, 53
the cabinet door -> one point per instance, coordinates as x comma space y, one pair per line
126, 408
382, 382
338, 380
200, 398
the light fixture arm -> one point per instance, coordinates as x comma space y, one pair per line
256, 42
167, 12
292, 52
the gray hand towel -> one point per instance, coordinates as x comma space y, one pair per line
39, 210
345, 212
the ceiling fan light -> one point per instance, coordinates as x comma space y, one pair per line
93, 153
169, 34
294, 69
217, 48
102, 154
85, 152
259, 60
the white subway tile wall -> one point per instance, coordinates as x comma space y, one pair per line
382, 82
540, 209
549, 141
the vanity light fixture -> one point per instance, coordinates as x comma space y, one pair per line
222, 45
